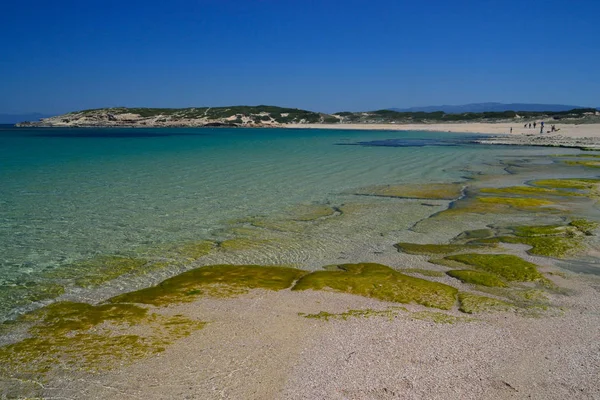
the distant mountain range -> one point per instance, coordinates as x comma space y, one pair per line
15, 118
490, 107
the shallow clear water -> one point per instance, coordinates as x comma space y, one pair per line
68, 195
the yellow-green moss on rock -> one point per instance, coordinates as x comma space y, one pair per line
437, 317
569, 183
508, 267
80, 336
430, 191
547, 246
435, 249
216, 280
471, 303
362, 313
516, 202
422, 271
477, 277
556, 241
586, 163
529, 191
311, 212
380, 282
584, 226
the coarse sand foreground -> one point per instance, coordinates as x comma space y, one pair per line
257, 346
567, 130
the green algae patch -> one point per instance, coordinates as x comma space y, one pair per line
437, 317
424, 272
435, 249
586, 163
547, 246
471, 303
475, 234
519, 203
477, 277
380, 282
497, 205
529, 191
72, 336
96, 271
64, 317
390, 313
542, 230
571, 183
556, 241
521, 299
312, 212
584, 226
216, 280
509, 267
27, 293
431, 191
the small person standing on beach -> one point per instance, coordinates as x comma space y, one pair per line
511, 129
534, 124
530, 125
525, 126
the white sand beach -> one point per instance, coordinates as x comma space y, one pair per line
567, 130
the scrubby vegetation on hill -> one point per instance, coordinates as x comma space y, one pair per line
264, 115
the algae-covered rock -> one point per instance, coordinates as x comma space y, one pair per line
435, 249
516, 202
311, 212
528, 191
430, 191
363, 313
584, 163
547, 246
477, 277
216, 280
509, 267
569, 183
471, 303
80, 336
380, 282
584, 226
437, 317
422, 271
542, 230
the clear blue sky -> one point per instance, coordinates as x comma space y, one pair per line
63, 55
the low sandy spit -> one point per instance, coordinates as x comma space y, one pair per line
565, 135
567, 130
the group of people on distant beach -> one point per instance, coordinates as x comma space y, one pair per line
534, 123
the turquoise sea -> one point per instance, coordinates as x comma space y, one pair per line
71, 195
